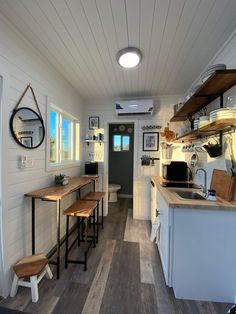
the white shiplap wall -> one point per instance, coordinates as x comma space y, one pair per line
20, 64
163, 113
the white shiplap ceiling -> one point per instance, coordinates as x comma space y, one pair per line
81, 38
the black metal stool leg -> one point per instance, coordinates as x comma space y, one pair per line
78, 222
94, 229
83, 229
97, 210
102, 213
67, 240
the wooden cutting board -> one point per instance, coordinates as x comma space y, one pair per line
223, 184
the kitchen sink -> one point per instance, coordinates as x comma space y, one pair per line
190, 195
171, 184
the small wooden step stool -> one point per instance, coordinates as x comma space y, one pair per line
33, 266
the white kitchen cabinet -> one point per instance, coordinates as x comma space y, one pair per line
163, 239
197, 251
204, 256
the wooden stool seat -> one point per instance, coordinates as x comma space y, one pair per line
83, 210
33, 266
96, 196
30, 265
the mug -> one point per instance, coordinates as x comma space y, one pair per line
211, 195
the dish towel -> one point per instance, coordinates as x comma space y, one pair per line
155, 229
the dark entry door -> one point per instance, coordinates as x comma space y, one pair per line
121, 144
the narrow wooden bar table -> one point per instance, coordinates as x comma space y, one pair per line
55, 193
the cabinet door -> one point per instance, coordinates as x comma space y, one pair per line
164, 235
153, 201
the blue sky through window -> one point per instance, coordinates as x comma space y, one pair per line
121, 142
125, 142
53, 124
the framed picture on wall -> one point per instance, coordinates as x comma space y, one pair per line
93, 123
150, 141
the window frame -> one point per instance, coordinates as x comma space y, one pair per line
121, 145
60, 164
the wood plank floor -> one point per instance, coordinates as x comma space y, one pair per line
124, 276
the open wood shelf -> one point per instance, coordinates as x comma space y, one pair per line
213, 128
213, 87
93, 141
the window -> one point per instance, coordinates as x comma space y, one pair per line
121, 143
64, 134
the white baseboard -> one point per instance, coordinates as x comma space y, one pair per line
125, 195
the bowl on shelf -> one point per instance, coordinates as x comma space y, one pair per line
231, 102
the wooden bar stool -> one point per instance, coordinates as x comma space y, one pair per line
35, 267
98, 197
82, 210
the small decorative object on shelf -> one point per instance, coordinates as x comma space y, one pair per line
61, 179
151, 127
168, 134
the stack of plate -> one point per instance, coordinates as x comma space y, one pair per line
211, 70
195, 124
222, 113
203, 120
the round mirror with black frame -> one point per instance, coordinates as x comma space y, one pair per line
27, 127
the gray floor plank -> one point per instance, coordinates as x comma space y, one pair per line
20, 301
94, 299
148, 299
123, 293
73, 299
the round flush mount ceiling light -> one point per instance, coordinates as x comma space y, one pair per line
129, 57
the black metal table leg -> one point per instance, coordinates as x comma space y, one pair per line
102, 213
86, 244
67, 240
58, 202
33, 225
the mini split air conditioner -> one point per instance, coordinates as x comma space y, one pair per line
140, 107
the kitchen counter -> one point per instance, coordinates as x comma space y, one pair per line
175, 201
195, 239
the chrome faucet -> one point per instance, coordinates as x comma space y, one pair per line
204, 188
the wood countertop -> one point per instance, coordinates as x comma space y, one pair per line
176, 201
58, 192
